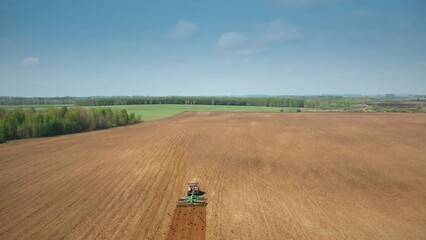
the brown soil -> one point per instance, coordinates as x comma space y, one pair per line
407, 104
188, 223
267, 176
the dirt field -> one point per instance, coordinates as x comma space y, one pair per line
188, 223
267, 176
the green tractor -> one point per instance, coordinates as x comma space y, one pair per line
195, 197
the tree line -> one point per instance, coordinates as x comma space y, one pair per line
328, 102
36, 100
237, 101
26, 123
317, 102
299, 102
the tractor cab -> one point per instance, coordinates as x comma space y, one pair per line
193, 188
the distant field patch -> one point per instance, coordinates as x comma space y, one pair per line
161, 111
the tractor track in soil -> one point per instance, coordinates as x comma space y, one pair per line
267, 176
189, 222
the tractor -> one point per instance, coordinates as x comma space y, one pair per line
194, 196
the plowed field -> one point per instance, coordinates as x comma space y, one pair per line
188, 223
267, 176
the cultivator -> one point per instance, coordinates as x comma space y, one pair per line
195, 197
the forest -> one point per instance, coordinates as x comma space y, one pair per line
26, 123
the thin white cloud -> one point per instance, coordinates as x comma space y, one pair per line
362, 14
244, 52
255, 41
302, 3
367, 17
404, 24
420, 63
183, 29
275, 31
28, 61
381, 20
231, 40
31, 82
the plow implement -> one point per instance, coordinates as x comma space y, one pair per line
192, 200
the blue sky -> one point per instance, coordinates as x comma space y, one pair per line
222, 47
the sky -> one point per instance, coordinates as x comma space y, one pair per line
79, 48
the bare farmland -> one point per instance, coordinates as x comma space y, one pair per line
267, 176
